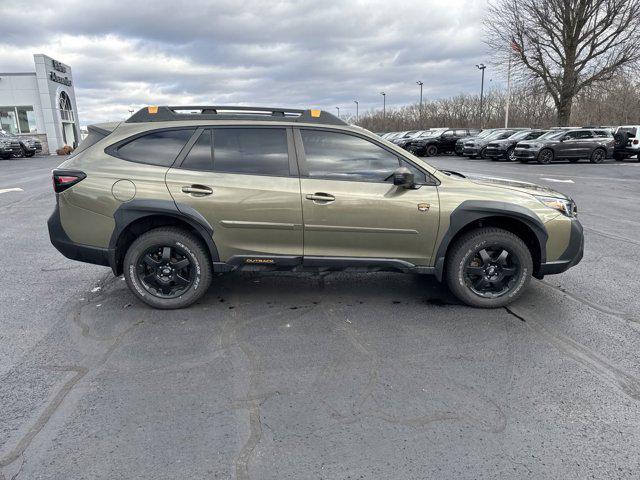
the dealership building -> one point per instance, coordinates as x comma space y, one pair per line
41, 104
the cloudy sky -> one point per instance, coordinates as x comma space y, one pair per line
305, 53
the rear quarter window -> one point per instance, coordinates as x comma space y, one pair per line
156, 148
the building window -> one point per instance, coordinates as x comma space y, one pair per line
66, 111
26, 119
18, 120
8, 121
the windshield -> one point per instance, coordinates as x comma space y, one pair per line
520, 135
486, 133
414, 134
499, 135
432, 133
554, 134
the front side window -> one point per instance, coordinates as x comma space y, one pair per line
338, 156
157, 148
253, 151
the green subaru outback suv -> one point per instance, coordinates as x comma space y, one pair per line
175, 194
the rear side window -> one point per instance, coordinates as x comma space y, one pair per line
255, 151
156, 148
338, 156
199, 157
578, 134
601, 133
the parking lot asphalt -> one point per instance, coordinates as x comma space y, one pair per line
333, 376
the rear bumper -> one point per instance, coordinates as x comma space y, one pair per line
570, 257
71, 249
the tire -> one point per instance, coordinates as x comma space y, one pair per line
511, 154
619, 156
598, 155
431, 151
29, 154
483, 152
147, 254
464, 257
545, 156
6, 157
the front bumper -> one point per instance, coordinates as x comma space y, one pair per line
71, 249
470, 151
495, 152
570, 257
526, 153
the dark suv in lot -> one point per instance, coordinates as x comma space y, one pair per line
438, 140
499, 149
13, 146
573, 145
477, 146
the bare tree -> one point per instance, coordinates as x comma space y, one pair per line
570, 45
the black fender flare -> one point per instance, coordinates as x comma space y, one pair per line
129, 212
471, 211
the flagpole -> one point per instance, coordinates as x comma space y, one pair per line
506, 114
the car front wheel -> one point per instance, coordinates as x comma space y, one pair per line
488, 267
545, 156
598, 155
167, 268
511, 154
431, 151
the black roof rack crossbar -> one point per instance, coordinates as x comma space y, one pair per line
215, 112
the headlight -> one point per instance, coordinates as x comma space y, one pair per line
564, 206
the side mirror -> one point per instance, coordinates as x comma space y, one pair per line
403, 177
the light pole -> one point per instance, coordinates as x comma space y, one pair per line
420, 83
481, 67
356, 102
338, 109
384, 108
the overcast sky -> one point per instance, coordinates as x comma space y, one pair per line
304, 54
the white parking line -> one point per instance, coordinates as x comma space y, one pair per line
556, 180
6, 190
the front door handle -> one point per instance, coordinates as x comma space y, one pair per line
197, 190
321, 198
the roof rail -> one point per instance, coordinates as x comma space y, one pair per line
215, 112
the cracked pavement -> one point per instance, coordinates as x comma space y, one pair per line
332, 376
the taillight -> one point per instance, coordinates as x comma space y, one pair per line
635, 142
63, 179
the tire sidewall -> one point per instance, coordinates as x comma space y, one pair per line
468, 247
431, 151
193, 251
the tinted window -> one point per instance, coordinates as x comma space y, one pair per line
577, 134
533, 135
630, 130
461, 133
157, 148
602, 133
418, 175
199, 157
257, 151
338, 156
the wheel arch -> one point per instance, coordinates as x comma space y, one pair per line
513, 218
132, 219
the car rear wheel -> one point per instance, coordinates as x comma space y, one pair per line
167, 268
431, 151
545, 156
511, 154
598, 155
488, 267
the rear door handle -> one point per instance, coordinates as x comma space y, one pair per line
320, 197
197, 190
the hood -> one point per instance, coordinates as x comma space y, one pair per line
518, 186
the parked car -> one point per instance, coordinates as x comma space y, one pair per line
627, 143
170, 198
406, 136
459, 149
18, 146
572, 145
504, 149
433, 142
476, 147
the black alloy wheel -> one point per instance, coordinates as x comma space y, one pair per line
598, 155
431, 150
491, 272
165, 271
545, 156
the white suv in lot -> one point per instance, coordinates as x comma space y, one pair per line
627, 142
